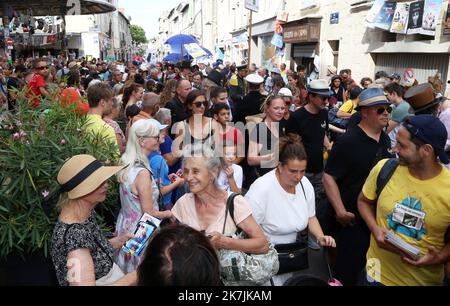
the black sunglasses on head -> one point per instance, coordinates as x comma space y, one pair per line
42, 68
199, 104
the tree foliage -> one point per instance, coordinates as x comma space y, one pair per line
138, 35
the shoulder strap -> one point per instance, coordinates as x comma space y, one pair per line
386, 172
158, 184
229, 208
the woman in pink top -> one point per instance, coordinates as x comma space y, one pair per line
204, 208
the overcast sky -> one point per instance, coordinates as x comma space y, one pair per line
145, 13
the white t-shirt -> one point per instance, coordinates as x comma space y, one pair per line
238, 175
281, 214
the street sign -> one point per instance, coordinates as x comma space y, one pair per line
252, 5
9, 41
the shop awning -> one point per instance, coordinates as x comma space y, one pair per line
54, 7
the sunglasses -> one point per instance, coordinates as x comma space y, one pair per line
381, 110
42, 68
199, 104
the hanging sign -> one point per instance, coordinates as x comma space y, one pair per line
374, 10
447, 20
431, 13
385, 16
415, 17
400, 20
252, 5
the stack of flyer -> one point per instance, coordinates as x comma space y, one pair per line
409, 249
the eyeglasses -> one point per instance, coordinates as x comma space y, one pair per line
154, 137
381, 110
42, 68
199, 104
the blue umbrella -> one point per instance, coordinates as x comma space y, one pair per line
175, 58
176, 42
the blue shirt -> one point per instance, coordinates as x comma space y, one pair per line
165, 148
159, 168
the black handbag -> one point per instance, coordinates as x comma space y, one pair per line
294, 256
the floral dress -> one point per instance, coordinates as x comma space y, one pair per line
129, 216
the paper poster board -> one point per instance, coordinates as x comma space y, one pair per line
400, 20
447, 20
431, 12
415, 17
373, 13
385, 16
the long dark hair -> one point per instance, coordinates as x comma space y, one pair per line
191, 98
129, 91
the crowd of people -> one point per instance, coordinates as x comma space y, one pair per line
304, 155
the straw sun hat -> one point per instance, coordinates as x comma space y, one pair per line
83, 174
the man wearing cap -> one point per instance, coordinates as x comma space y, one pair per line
353, 156
311, 123
395, 78
251, 103
423, 99
414, 205
269, 81
237, 84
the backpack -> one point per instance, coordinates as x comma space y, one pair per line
386, 172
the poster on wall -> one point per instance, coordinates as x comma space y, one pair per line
376, 7
385, 16
431, 12
415, 17
447, 20
400, 20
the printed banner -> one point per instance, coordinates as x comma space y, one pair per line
431, 13
194, 50
415, 17
373, 13
400, 20
385, 16
277, 40
447, 20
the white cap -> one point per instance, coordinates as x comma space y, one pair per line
285, 92
254, 79
275, 70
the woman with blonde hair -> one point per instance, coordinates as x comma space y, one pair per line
264, 136
138, 191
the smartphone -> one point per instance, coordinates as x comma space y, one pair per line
142, 234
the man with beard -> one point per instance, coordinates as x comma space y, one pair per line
353, 156
414, 205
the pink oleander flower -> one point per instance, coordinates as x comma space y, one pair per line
11, 127
19, 124
63, 142
45, 193
22, 134
107, 162
16, 136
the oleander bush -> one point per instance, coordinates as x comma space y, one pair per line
34, 144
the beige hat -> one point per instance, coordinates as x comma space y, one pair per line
83, 174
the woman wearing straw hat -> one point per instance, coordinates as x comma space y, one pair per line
138, 191
80, 252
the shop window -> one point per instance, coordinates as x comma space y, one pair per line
334, 44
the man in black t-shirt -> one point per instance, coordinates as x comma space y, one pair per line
352, 158
311, 123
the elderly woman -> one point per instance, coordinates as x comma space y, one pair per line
81, 254
283, 201
138, 191
204, 208
263, 138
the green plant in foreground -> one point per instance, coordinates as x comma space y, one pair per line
34, 144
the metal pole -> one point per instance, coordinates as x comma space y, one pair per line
250, 38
